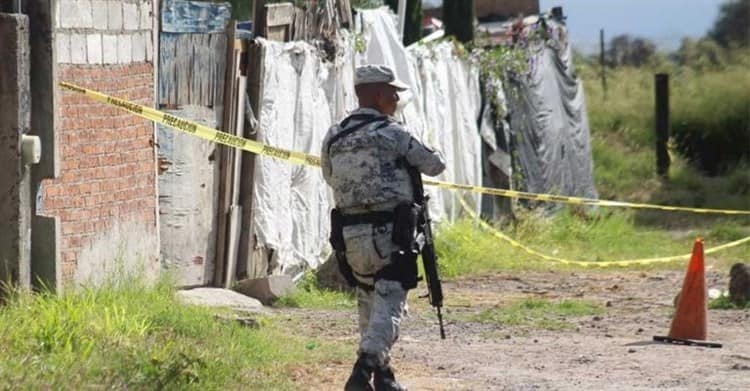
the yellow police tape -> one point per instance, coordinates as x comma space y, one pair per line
255, 147
629, 262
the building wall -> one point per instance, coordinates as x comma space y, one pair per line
105, 196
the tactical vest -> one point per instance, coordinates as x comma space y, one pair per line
366, 169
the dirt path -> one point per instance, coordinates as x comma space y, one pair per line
610, 351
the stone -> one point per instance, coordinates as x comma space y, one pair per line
145, 15
75, 14
94, 48
78, 49
266, 289
130, 18
124, 49
109, 49
62, 47
217, 297
139, 47
329, 276
114, 15
739, 284
99, 13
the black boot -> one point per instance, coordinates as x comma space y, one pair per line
385, 380
361, 373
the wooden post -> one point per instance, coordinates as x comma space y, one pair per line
254, 260
602, 62
661, 82
274, 21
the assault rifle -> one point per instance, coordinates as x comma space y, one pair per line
429, 258
430, 263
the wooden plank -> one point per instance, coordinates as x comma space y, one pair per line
280, 14
345, 11
274, 21
235, 216
187, 199
299, 25
191, 69
254, 262
225, 155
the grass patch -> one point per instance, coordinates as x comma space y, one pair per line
132, 336
538, 313
465, 248
723, 303
708, 114
309, 294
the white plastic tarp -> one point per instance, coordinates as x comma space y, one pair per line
445, 102
302, 97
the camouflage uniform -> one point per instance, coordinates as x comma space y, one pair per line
366, 173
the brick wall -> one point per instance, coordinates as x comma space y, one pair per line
105, 196
107, 159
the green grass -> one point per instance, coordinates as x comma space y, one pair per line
625, 169
309, 295
713, 104
538, 313
132, 336
465, 248
723, 303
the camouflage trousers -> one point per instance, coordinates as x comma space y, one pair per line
368, 250
380, 314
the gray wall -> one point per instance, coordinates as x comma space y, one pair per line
14, 176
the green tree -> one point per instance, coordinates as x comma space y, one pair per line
627, 50
413, 24
459, 16
733, 24
703, 54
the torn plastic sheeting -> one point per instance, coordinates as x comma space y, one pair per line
451, 101
446, 102
291, 202
549, 124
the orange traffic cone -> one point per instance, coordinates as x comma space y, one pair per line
690, 322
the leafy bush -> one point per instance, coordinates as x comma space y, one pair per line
711, 118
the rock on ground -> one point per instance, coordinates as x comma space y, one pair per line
217, 297
739, 284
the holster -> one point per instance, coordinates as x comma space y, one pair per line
336, 239
405, 225
403, 268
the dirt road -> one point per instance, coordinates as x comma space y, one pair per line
612, 350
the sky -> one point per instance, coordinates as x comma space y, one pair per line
664, 22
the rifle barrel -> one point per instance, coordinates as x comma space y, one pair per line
440, 321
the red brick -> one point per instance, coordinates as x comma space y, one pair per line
107, 163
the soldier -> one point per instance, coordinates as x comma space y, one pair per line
364, 160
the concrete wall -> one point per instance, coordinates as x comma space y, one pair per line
105, 195
104, 31
15, 106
